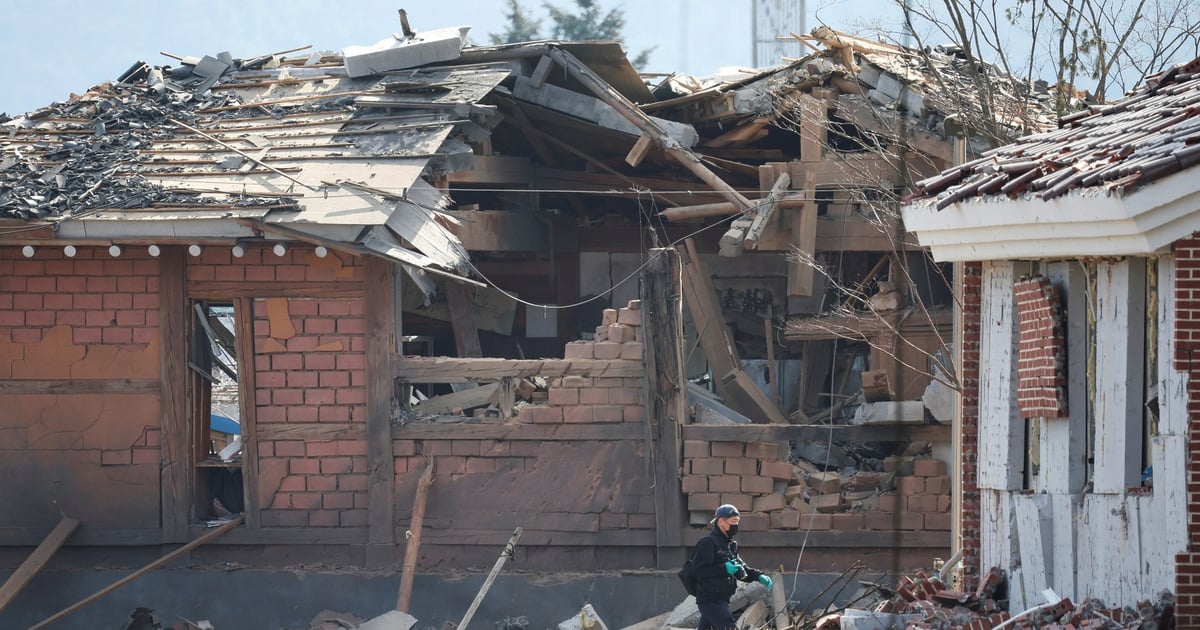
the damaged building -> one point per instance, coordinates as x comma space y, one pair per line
435, 293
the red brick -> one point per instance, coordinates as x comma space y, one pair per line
785, 519
743, 502
726, 449
937, 521
306, 500
929, 467
146, 456
725, 483
922, 503
609, 520
593, 396
302, 466
563, 396
607, 350
323, 518
937, 485
847, 521
701, 501
352, 518
758, 485
741, 466
778, 470
608, 413
578, 414
910, 485
337, 500
578, 350
769, 503
755, 522
319, 449
320, 483
336, 465
889, 502
694, 483
293, 483
116, 457
695, 448
817, 522
707, 466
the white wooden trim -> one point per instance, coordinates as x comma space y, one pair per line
1001, 429
1119, 339
1172, 383
1031, 543
1064, 514
995, 529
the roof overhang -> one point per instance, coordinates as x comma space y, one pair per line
1085, 223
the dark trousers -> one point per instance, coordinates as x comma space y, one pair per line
715, 616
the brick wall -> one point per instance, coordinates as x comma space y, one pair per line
1041, 389
309, 371
972, 320
1187, 359
71, 320
772, 494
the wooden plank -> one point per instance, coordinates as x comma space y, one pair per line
995, 529
175, 421
380, 334
464, 370
412, 545
290, 536
707, 316
1064, 511
766, 210
466, 334
217, 289
463, 400
812, 432
139, 573
318, 431
495, 169
772, 367
94, 386
86, 537
1031, 543
639, 150
1173, 417
1064, 440
37, 560
1120, 352
721, 209
802, 272
244, 338
513, 432
1001, 455
666, 403
743, 395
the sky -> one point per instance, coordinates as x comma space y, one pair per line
52, 48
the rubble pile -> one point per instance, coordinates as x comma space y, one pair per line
923, 602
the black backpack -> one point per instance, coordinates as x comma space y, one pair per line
688, 577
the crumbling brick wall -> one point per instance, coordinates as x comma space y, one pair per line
772, 494
1042, 386
970, 510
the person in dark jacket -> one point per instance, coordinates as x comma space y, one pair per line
716, 564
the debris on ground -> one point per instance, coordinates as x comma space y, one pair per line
587, 619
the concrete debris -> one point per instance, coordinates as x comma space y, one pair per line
391, 620
332, 620
398, 52
890, 412
587, 619
687, 615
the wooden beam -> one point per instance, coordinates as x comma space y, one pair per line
247, 401
802, 272
707, 316
93, 386
615, 432
509, 551
380, 334
647, 125
464, 370
466, 335
412, 543
174, 422
139, 573
214, 289
743, 395
639, 150
722, 209
666, 399
319, 431
766, 210
811, 432
37, 560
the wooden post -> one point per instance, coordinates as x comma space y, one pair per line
37, 560
175, 499
380, 350
509, 550
707, 317
466, 335
413, 546
244, 333
666, 388
772, 371
139, 573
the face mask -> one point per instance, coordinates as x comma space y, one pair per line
732, 531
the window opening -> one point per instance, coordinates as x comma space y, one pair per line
216, 417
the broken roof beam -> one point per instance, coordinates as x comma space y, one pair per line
721, 209
464, 370
648, 126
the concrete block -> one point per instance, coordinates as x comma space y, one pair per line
827, 503
829, 482
743, 502
620, 333
939, 399
741, 466
609, 350
629, 317
395, 53
781, 471
785, 519
631, 350
767, 450
889, 412
847, 522
563, 396
726, 449
755, 522
694, 483
390, 620
817, 522
708, 466
704, 502
758, 485
695, 448
609, 317
578, 350
725, 483
770, 503
587, 619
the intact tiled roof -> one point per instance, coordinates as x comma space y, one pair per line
1152, 133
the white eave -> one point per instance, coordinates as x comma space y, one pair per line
1083, 223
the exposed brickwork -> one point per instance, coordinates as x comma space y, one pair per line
972, 320
1187, 359
1042, 379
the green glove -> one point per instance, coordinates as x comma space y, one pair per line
731, 567
766, 581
